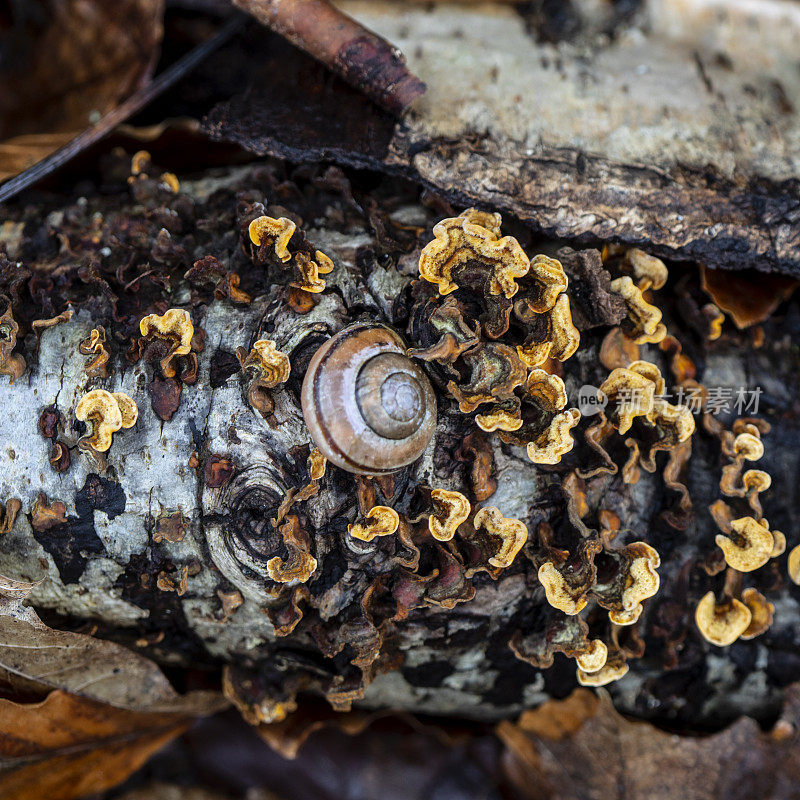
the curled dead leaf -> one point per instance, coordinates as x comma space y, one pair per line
87, 58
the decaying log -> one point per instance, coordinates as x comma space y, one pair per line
163, 541
674, 128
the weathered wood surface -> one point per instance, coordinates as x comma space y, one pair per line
106, 562
675, 126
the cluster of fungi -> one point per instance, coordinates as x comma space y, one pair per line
479, 344
494, 328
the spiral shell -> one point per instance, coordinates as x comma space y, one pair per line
369, 408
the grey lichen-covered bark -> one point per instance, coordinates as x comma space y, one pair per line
221, 469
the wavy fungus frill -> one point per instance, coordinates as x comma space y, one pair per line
11, 364
493, 328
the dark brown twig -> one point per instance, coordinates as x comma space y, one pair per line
362, 58
136, 102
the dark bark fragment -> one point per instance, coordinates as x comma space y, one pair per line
290, 109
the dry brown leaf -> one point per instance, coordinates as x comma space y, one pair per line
67, 747
288, 736
167, 791
571, 714
41, 658
73, 62
747, 296
581, 748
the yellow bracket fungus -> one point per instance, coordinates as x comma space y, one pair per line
458, 240
548, 390
605, 675
176, 327
535, 353
310, 270
721, 624
94, 345
496, 371
557, 590
8, 515
650, 272
556, 440
643, 324
650, 371
512, 534
11, 364
272, 365
317, 463
276, 232
550, 278
107, 413
380, 521
715, 321
761, 611
267, 368
500, 417
299, 566
756, 480
642, 583
564, 335
750, 545
594, 658
794, 564
630, 395
677, 419
749, 446
450, 510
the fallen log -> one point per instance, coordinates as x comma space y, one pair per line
206, 535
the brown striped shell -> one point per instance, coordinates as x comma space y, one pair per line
369, 408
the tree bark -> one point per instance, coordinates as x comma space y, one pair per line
675, 127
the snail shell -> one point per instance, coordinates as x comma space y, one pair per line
369, 408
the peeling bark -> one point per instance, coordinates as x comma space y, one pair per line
676, 129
